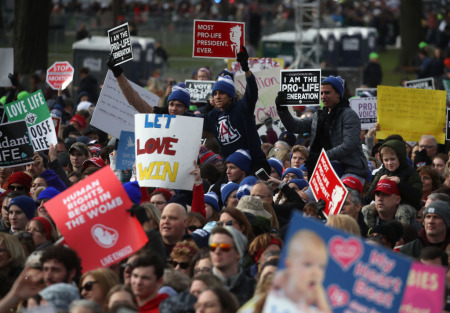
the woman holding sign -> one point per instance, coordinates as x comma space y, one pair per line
335, 128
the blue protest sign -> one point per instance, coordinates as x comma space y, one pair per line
125, 151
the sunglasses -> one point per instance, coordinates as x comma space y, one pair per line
16, 188
183, 265
227, 223
88, 285
193, 228
225, 247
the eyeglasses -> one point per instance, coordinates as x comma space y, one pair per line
158, 202
88, 285
17, 188
202, 270
225, 247
425, 147
227, 223
193, 228
183, 265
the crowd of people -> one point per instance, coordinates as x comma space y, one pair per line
215, 248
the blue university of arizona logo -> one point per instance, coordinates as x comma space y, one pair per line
227, 134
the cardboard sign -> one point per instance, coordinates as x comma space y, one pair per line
255, 65
411, 113
113, 113
34, 110
302, 86
424, 83
323, 269
15, 145
425, 289
217, 39
447, 128
60, 75
165, 151
126, 151
7, 66
366, 108
120, 44
92, 217
326, 185
200, 90
365, 92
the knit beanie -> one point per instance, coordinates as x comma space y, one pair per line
60, 295
133, 191
200, 237
212, 199
180, 93
165, 192
242, 159
392, 230
421, 158
293, 170
253, 205
301, 183
207, 156
26, 204
225, 72
225, 84
240, 241
48, 193
277, 165
441, 208
245, 186
20, 178
337, 83
288, 138
226, 189
79, 119
46, 224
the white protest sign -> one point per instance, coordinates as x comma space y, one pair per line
113, 113
366, 108
424, 83
7, 66
165, 151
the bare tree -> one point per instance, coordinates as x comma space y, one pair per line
410, 30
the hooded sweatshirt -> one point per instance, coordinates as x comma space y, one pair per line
410, 185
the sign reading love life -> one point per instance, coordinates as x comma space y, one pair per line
92, 217
217, 39
34, 110
165, 151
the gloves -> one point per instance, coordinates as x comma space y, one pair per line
13, 79
117, 70
242, 58
280, 100
139, 212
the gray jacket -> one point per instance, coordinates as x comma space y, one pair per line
344, 136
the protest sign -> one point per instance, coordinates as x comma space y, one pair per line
255, 65
92, 217
366, 108
59, 75
411, 113
447, 128
326, 185
56, 123
120, 44
424, 289
7, 66
200, 90
323, 269
365, 92
165, 151
446, 83
302, 86
34, 110
125, 151
113, 113
217, 39
424, 83
16, 148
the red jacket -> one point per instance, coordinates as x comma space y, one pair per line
152, 306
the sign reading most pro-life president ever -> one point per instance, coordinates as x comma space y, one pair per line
218, 39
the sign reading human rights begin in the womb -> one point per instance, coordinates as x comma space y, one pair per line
217, 39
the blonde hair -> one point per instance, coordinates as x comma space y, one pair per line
105, 278
345, 223
152, 211
302, 237
387, 150
14, 249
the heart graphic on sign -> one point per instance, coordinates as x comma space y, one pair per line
24, 155
338, 297
345, 251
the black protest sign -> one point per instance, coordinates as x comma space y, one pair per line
200, 90
302, 86
120, 44
15, 144
425, 83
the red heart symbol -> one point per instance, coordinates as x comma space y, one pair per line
337, 296
345, 251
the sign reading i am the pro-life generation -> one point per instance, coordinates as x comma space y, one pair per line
302, 86
217, 39
165, 151
366, 108
15, 145
200, 90
34, 110
120, 44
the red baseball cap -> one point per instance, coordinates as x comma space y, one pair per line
353, 183
79, 119
388, 187
96, 161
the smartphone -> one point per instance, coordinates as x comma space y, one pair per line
262, 174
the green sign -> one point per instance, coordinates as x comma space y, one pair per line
33, 109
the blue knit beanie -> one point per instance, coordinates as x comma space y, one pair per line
225, 84
337, 83
301, 183
133, 190
26, 204
245, 186
225, 72
277, 165
180, 93
226, 189
48, 193
293, 170
242, 159
212, 199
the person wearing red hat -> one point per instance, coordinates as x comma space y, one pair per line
79, 122
93, 162
19, 181
42, 232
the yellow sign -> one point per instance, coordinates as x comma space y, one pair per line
411, 113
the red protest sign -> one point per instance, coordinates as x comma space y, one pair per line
92, 217
326, 185
217, 39
60, 74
